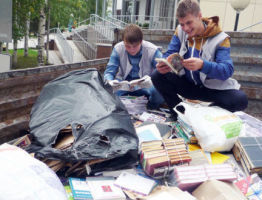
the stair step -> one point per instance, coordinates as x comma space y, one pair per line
253, 91
254, 108
248, 76
247, 59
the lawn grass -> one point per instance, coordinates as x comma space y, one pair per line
25, 62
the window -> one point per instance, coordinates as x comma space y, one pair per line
166, 8
148, 9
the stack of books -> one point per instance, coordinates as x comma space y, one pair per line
248, 150
189, 177
160, 156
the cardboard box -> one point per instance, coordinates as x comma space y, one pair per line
218, 190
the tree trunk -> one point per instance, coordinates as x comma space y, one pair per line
41, 36
14, 64
47, 36
7, 48
27, 25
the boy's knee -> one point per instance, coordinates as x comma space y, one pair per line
242, 101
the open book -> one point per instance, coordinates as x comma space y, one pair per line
144, 82
174, 61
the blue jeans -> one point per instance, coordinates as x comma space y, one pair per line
155, 99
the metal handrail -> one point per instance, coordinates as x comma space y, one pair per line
148, 22
66, 48
83, 40
117, 20
95, 17
250, 26
80, 23
87, 49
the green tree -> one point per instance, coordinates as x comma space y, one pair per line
23, 11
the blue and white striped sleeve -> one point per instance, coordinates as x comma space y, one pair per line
112, 66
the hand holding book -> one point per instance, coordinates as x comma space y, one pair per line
173, 61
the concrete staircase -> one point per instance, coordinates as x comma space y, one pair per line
246, 53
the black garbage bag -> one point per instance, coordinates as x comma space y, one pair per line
101, 126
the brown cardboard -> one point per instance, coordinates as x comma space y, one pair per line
217, 190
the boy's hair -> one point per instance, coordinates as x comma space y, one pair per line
132, 34
186, 7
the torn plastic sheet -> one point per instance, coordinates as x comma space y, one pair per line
101, 126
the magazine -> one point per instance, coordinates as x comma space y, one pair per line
144, 82
174, 61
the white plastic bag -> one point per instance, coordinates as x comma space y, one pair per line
215, 128
24, 177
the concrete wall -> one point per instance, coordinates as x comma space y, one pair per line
222, 8
103, 50
19, 90
5, 62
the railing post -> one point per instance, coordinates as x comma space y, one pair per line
236, 22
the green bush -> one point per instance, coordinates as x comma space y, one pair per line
145, 25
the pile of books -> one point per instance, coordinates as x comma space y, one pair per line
159, 157
95, 188
248, 150
107, 187
189, 177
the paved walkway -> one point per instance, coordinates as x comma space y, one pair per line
78, 56
54, 59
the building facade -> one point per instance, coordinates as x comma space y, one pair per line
160, 14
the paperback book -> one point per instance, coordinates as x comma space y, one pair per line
103, 188
174, 61
80, 189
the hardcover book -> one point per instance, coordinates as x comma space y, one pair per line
249, 151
